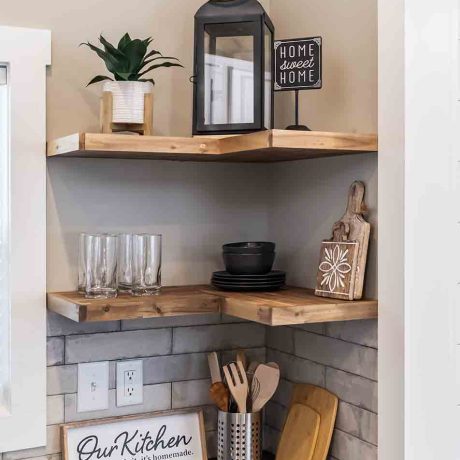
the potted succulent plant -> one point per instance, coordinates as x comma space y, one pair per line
129, 63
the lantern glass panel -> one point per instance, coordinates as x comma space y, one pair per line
268, 40
229, 74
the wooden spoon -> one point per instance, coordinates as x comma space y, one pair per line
264, 385
237, 383
218, 391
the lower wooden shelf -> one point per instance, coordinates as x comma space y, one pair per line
288, 306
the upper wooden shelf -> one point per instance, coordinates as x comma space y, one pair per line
285, 307
259, 147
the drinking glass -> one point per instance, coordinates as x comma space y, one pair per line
146, 264
101, 266
125, 262
82, 259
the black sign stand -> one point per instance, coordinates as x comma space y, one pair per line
298, 66
297, 127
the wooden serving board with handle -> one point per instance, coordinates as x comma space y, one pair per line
358, 230
300, 434
325, 404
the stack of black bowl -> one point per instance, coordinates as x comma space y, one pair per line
249, 268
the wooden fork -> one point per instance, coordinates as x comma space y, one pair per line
237, 383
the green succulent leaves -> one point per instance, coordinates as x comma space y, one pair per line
130, 60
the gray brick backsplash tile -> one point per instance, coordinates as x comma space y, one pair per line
337, 353
283, 394
59, 325
210, 417
252, 354
117, 345
53, 446
54, 351
232, 319
156, 398
55, 409
351, 388
61, 379
357, 422
298, 369
281, 338
175, 368
155, 323
270, 439
316, 328
191, 393
275, 415
218, 337
211, 443
347, 447
362, 332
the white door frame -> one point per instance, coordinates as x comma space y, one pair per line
418, 234
26, 52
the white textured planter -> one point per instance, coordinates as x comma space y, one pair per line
128, 100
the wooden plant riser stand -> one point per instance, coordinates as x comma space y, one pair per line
108, 126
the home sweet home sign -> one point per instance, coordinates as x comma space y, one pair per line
159, 436
298, 64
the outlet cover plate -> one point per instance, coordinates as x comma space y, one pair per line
130, 380
93, 386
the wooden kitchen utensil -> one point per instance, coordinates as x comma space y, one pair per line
218, 391
359, 231
300, 434
325, 404
241, 357
264, 385
343, 258
237, 383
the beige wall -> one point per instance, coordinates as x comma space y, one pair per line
348, 100
71, 106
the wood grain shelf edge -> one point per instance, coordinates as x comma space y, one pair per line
286, 307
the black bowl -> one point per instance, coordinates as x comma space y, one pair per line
249, 264
256, 247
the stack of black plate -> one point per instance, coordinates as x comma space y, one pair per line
271, 281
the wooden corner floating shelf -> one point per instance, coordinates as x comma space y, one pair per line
288, 306
260, 147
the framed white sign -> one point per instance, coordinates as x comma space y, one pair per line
157, 436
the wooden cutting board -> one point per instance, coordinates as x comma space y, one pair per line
357, 230
325, 404
300, 434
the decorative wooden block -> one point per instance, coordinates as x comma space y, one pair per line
108, 126
337, 270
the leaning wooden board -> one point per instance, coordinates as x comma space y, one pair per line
325, 404
300, 434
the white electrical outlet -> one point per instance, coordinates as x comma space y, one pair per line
93, 386
130, 390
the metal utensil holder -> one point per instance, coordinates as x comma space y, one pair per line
239, 436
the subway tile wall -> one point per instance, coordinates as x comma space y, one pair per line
340, 356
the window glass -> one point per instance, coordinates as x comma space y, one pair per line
4, 245
229, 74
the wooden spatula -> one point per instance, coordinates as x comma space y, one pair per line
218, 391
300, 434
264, 385
237, 383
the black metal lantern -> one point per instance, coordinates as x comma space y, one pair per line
233, 68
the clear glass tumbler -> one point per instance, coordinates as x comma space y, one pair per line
125, 263
146, 264
82, 260
101, 266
